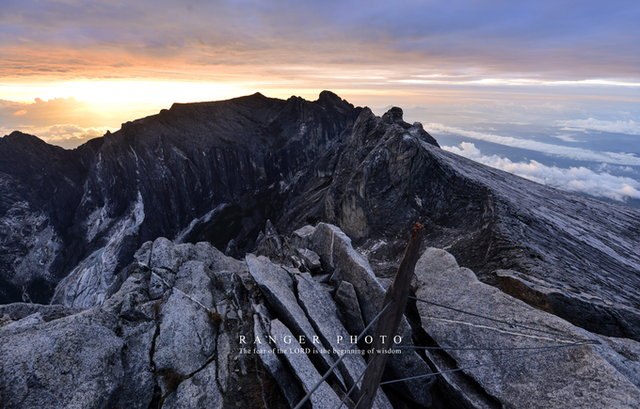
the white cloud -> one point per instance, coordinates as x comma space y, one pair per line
550, 149
629, 127
566, 138
578, 180
68, 136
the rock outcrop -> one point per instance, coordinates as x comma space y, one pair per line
135, 351
190, 327
85, 212
537, 360
186, 326
324, 194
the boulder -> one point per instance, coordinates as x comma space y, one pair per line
187, 337
272, 361
269, 242
138, 379
303, 369
608, 318
338, 255
323, 314
75, 361
199, 391
18, 311
335, 251
277, 287
136, 350
539, 360
347, 300
310, 260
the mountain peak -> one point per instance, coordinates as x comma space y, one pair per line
329, 96
322, 186
395, 116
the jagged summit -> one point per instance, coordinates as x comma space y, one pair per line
217, 171
125, 234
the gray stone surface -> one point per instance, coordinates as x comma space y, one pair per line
572, 376
163, 254
187, 338
335, 250
167, 255
329, 161
138, 378
269, 243
29, 320
348, 301
223, 358
135, 351
303, 369
199, 391
271, 361
72, 362
18, 311
310, 260
194, 279
157, 286
624, 355
277, 287
323, 314
338, 255
300, 238
591, 313
130, 300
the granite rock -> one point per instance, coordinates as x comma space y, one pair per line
562, 366
303, 369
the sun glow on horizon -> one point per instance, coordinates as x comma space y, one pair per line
124, 91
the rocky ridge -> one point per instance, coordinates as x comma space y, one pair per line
71, 222
189, 327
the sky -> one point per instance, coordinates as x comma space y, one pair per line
549, 90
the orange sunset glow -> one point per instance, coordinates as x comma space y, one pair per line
70, 70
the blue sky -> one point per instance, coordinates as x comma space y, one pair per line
561, 79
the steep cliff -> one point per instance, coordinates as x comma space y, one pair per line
85, 212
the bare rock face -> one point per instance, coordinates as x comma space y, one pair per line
592, 313
85, 229
218, 171
562, 366
387, 175
278, 288
186, 326
85, 212
347, 300
337, 255
323, 314
40, 187
134, 351
303, 368
199, 391
61, 363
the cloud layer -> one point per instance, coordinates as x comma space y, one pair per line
473, 39
575, 179
629, 127
550, 149
67, 122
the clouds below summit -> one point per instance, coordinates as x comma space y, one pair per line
547, 148
575, 179
629, 127
66, 122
